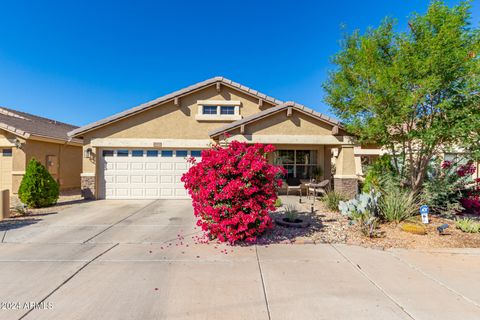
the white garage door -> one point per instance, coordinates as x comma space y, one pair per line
144, 174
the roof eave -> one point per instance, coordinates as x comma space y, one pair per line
260, 115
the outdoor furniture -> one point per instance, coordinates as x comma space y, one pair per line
316, 188
294, 184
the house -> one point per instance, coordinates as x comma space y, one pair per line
141, 153
24, 136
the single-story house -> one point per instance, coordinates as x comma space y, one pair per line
24, 136
141, 153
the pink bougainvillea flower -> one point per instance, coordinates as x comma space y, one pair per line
233, 189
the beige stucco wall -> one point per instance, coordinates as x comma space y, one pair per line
168, 121
297, 123
69, 158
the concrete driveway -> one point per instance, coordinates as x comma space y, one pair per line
138, 260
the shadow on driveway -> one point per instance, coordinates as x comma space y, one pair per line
12, 224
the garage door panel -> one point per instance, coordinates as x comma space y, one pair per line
180, 192
136, 179
152, 177
166, 179
166, 192
181, 166
121, 166
151, 193
121, 179
166, 166
136, 166
151, 166
109, 179
122, 192
137, 192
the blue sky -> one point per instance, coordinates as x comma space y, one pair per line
80, 61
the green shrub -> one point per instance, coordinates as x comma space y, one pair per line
332, 200
382, 167
468, 225
397, 204
38, 188
278, 203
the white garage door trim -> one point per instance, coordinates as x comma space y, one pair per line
144, 173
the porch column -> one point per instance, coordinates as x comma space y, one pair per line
345, 179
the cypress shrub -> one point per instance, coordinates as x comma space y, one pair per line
38, 188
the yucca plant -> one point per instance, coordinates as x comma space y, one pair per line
332, 199
397, 204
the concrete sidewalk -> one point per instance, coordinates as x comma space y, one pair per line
126, 260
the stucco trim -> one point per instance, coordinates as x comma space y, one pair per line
215, 117
296, 139
87, 174
151, 143
171, 97
271, 111
368, 152
219, 102
346, 176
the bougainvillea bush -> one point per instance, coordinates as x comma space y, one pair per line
233, 189
448, 186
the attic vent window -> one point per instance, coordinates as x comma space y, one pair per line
218, 110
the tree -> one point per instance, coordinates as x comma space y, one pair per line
38, 188
233, 190
414, 92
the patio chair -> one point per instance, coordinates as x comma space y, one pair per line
314, 189
294, 184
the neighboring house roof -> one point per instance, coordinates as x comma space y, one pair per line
170, 97
25, 124
268, 112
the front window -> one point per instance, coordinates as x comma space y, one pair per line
298, 163
209, 109
137, 153
227, 110
7, 152
181, 153
196, 153
122, 153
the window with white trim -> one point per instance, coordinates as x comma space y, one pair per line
218, 110
298, 163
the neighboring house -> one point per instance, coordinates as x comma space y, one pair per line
24, 136
141, 153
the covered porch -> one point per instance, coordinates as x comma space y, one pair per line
309, 145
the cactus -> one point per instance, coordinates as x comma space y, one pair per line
414, 228
364, 204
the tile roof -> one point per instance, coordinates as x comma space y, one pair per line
26, 124
276, 109
172, 96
